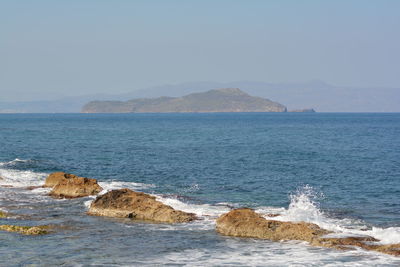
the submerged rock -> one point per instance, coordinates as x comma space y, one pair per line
247, 223
66, 185
365, 242
26, 230
126, 203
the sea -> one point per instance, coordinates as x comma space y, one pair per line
340, 171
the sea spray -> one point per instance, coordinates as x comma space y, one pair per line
304, 206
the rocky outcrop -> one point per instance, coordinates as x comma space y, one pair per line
26, 230
54, 178
247, 223
126, 203
365, 242
76, 187
218, 100
67, 185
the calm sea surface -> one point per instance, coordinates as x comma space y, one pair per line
341, 171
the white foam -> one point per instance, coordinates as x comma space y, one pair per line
111, 185
17, 178
12, 162
202, 210
236, 252
303, 207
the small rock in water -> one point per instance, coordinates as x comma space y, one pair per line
247, 223
126, 203
67, 185
26, 230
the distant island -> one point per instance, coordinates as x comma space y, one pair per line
218, 100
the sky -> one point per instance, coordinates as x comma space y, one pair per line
50, 49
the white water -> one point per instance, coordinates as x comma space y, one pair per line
303, 206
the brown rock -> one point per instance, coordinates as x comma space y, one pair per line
26, 230
247, 223
54, 178
75, 187
392, 249
365, 242
126, 203
344, 242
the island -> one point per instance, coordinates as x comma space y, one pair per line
217, 100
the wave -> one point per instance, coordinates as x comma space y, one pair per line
18, 178
304, 207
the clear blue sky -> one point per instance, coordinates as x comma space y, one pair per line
54, 48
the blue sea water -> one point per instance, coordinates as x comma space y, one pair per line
339, 170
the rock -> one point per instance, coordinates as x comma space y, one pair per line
3, 214
392, 249
126, 203
76, 187
54, 178
66, 185
26, 230
344, 243
365, 242
247, 223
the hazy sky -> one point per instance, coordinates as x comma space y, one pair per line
53, 48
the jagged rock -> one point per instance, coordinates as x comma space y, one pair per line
26, 230
344, 243
54, 178
66, 185
74, 187
392, 249
126, 203
247, 223
365, 242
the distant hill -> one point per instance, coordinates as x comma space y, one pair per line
218, 100
314, 94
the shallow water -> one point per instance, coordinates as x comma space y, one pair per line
340, 171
